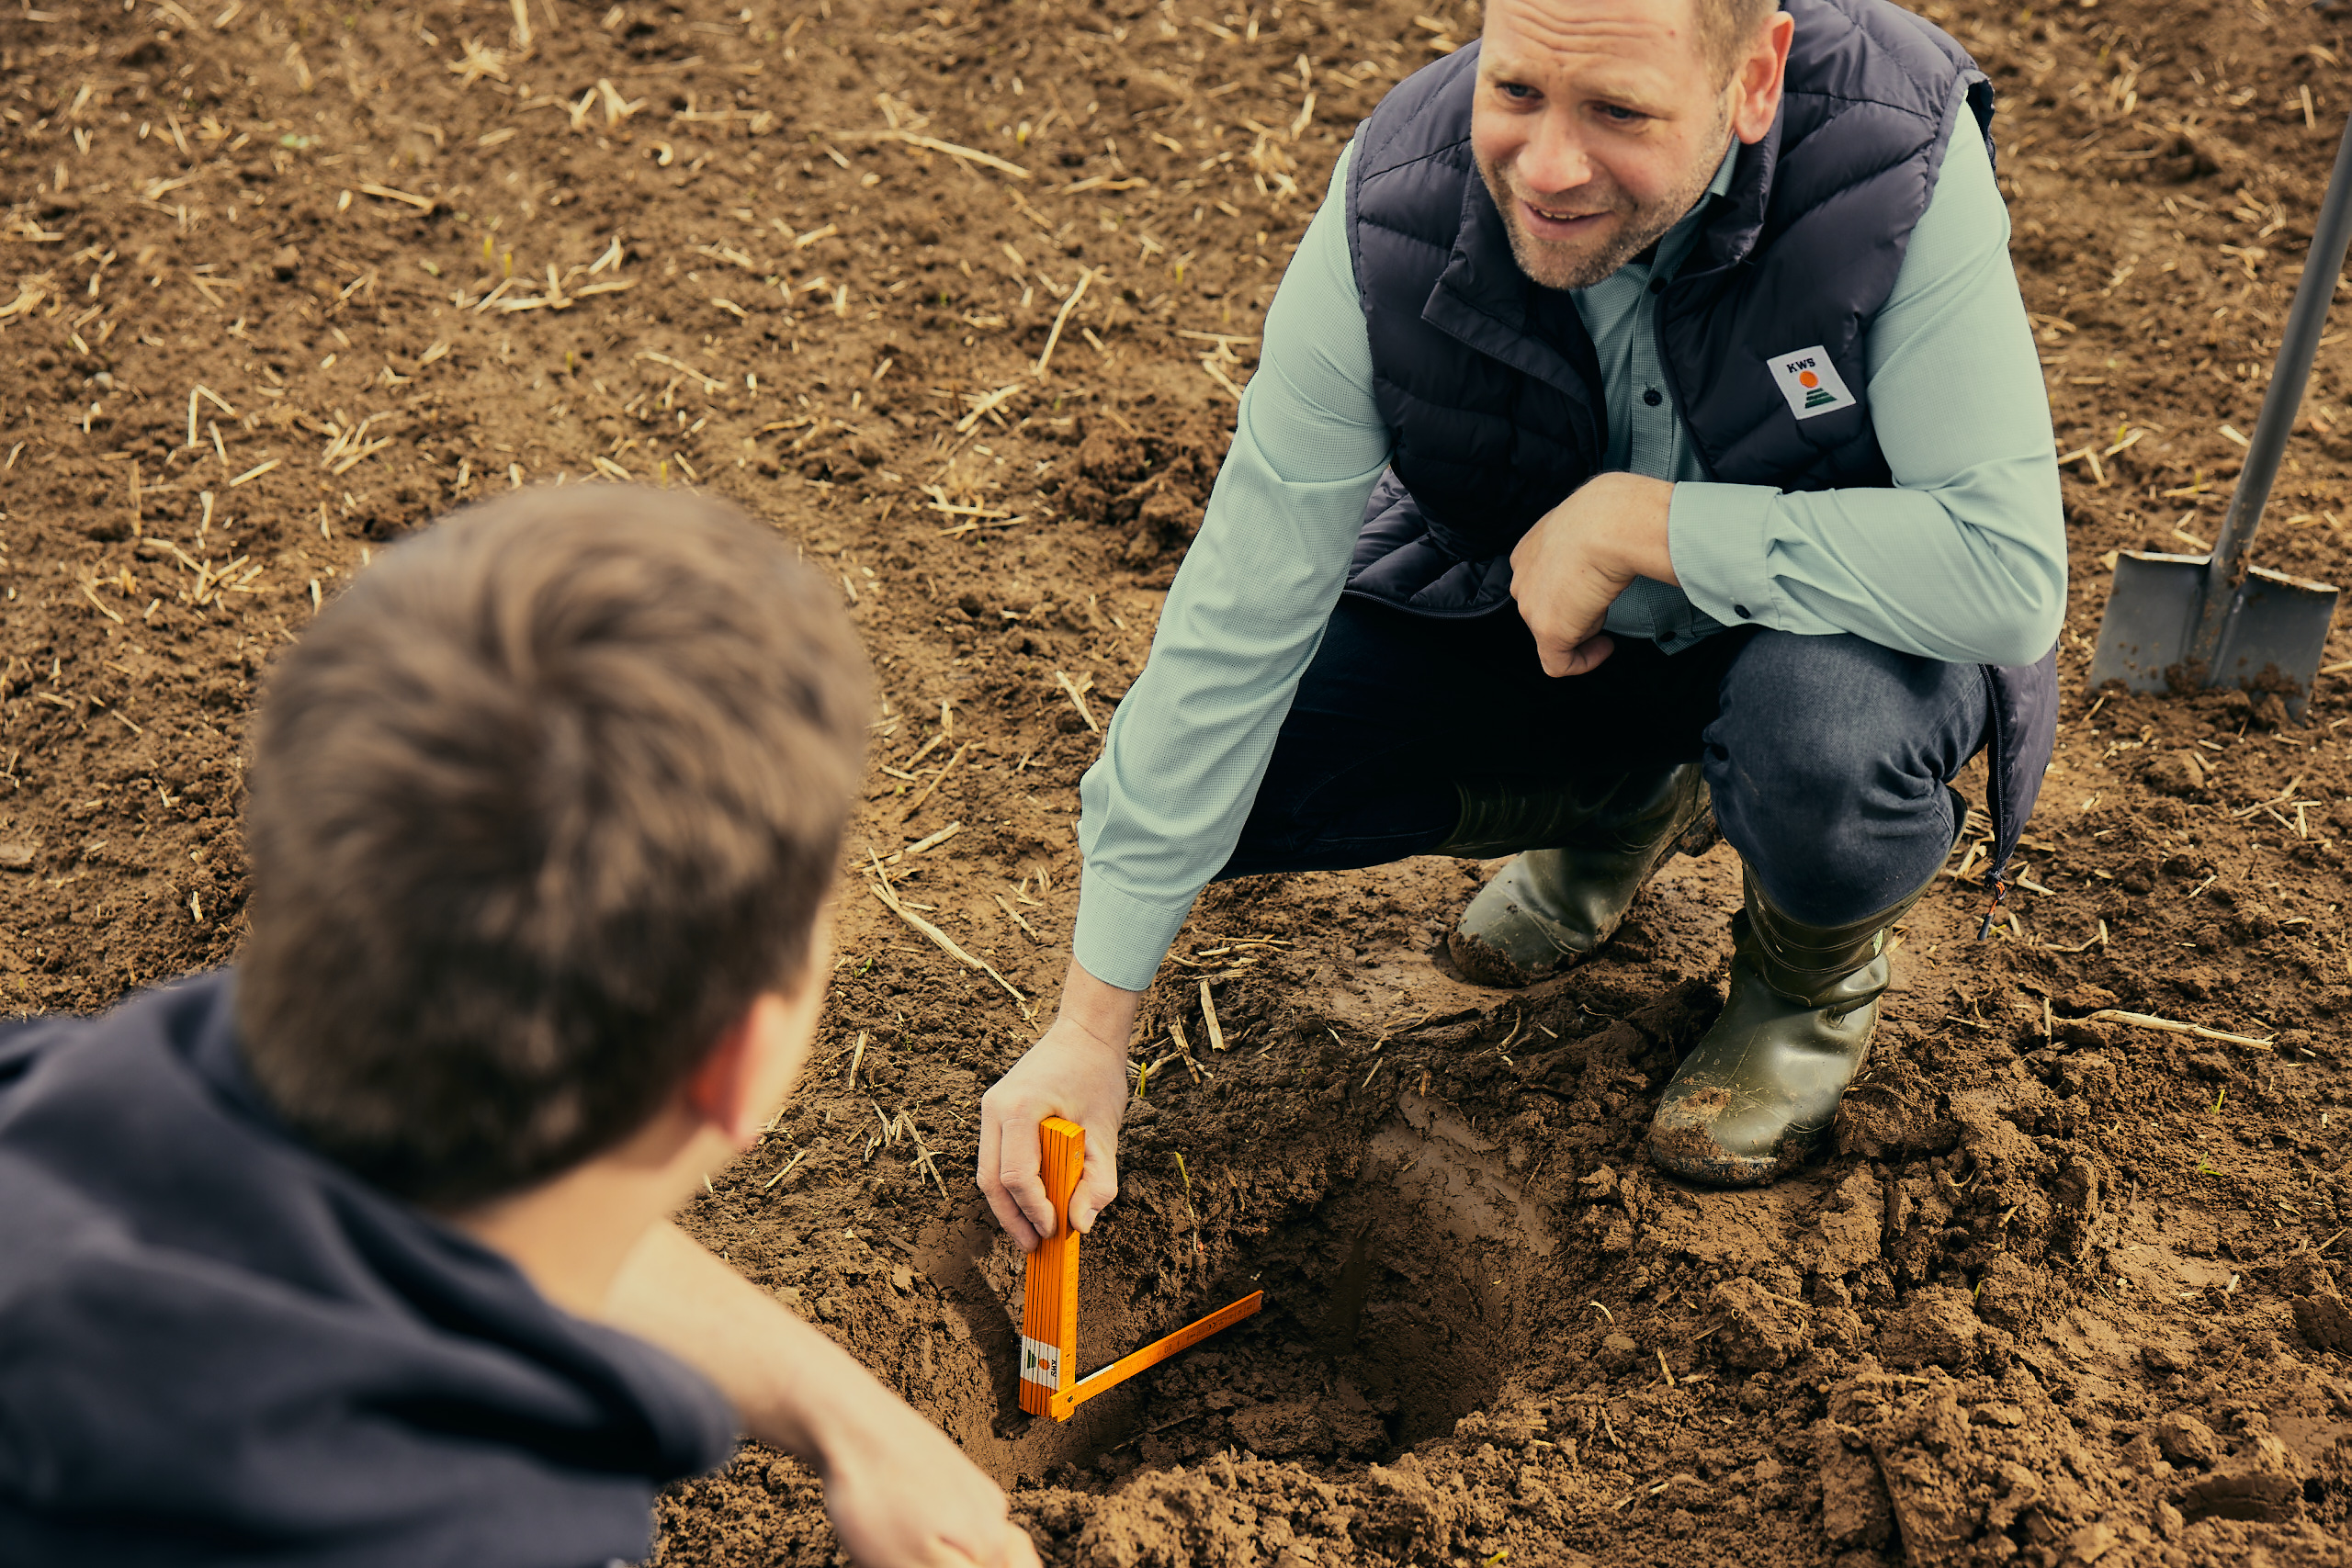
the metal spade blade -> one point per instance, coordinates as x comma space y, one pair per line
2219, 620
2275, 634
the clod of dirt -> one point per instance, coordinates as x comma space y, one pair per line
1879, 1122
286, 263
2263, 1482
1258, 1512
2009, 1295
16, 855
2082, 1034
2212, 1067
2174, 772
2187, 1442
1855, 1508
1965, 1465
2270, 711
1846, 1234
1761, 1332
1938, 1328
2324, 1321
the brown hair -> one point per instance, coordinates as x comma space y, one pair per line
537, 807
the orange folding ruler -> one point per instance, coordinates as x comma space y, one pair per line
1049, 1301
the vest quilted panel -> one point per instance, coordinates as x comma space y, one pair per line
1489, 383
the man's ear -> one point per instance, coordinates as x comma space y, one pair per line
1755, 84
720, 1091
753, 1065
744, 1078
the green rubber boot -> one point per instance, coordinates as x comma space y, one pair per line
1756, 1094
1553, 905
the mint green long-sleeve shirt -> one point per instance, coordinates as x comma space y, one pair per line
1964, 559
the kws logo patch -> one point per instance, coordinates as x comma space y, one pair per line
1810, 382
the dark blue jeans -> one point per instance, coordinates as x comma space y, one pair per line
1826, 756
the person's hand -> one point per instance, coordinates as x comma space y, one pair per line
1569, 569
1077, 1070
901, 1494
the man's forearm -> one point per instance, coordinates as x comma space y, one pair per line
780, 1374
1902, 568
1103, 1012
1168, 798
899, 1491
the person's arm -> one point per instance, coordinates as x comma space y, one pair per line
1966, 558
1165, 803
900, 1492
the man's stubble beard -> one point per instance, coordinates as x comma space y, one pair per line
1550, 266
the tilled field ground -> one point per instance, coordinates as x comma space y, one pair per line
959, 298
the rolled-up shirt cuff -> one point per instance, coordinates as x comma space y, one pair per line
1121, 939
1718, 536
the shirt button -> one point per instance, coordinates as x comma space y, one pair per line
1741, 611
1650, 396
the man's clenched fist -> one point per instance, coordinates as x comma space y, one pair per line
1570, 566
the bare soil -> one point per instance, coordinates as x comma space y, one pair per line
283, 283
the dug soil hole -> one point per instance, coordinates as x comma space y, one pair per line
1404, 1290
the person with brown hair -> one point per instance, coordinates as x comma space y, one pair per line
359, 1252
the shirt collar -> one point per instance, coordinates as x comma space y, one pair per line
1678, 241
1720, 183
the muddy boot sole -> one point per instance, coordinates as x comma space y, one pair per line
1685, 1145
1550, 908
1484, 966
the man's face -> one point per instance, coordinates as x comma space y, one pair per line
1598, 124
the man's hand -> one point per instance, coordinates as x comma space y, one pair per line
1571, 565
900, 1492
1079, 1071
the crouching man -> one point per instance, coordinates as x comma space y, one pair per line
358, 1253
1648, 425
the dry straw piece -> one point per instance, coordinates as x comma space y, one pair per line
946, 943
2171, 1026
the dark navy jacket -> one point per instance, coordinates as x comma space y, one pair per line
217, 1348
1489, 383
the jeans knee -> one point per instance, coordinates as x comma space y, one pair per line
1800, 785
1819, 736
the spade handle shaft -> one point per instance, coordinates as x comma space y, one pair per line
2226, 572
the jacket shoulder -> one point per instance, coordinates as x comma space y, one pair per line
1405, 178
1424, 119
1874, 51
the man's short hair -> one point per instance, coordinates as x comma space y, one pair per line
538, 808
1727, 26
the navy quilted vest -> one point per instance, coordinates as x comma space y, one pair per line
1489, 383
